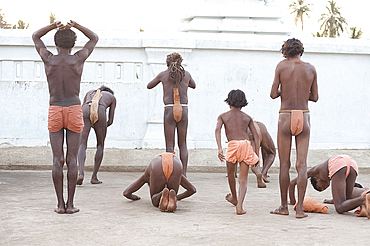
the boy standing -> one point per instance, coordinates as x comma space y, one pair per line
239, 148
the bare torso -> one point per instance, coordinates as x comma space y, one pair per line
168, 86
298, 84
236, 124
106, 100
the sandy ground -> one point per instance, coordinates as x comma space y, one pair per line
27, 200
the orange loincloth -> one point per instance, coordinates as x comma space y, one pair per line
296, 120
177, 107
338, 162
167, 164
241, 150
94, 105
312, 205
65, 117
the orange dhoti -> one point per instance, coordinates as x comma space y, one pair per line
241, 150
312, 205
65, 117
167, 164
296, 120
338, 162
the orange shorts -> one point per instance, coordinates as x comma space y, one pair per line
238, 151
338, 162
70, 118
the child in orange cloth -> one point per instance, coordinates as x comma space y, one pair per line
239, 149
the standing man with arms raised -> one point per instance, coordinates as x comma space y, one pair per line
296, 83
175, 81
63, 72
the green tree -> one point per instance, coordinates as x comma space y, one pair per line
332, 21
22, 25
354, 34
3, 23
300, 9
52, 18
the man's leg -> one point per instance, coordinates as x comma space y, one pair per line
182, 128
169, 129
56, 141
243, 179
82, 148
302, 141
284, 140
71, 160
100, 128
268, 155
231, 197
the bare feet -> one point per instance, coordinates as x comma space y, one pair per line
329, 201
172, 206
300, 215
240, 211
260, 182
163, 203
131, 196
362, 212
60, 210
280, 210
265, 179
95, 181
367, 205
230, 199
80, 179
72, 210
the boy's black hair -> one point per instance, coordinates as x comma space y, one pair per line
237, 99
314, 184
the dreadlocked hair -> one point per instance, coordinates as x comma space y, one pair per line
177, 72
104, 88
291, 48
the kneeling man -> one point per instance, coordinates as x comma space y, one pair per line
164, 175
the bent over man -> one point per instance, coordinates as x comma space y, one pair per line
94, 109
63, 72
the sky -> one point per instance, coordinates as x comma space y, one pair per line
160, 15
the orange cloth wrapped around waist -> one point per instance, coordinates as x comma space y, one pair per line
94, 105
296, 120
241, 150
167, 164
65, 117
177, 107
338, 162
312, 205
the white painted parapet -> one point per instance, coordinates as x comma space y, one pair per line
126, 62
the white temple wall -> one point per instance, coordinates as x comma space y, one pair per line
217, 63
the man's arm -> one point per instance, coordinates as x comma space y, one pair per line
112, 107
190, 189
275, 92
218, 138
191, 82
155, 81
314, 95
36, 37
90, 45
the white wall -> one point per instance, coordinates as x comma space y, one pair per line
217, 62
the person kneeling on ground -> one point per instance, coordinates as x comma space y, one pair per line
164, 175
342, 171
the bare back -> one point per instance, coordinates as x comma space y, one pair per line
106, 100
236, 124
63, 73
168, 86
298, 84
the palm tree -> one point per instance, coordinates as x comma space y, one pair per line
300, 9
22, 25
354, 34
332, 21
52, 18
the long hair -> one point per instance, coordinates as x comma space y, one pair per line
177, 72
291, 48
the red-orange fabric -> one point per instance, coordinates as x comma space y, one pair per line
312, 205
167, 164
241, 150
94, 105
338, 162
296, 122
177, 107
65, 117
